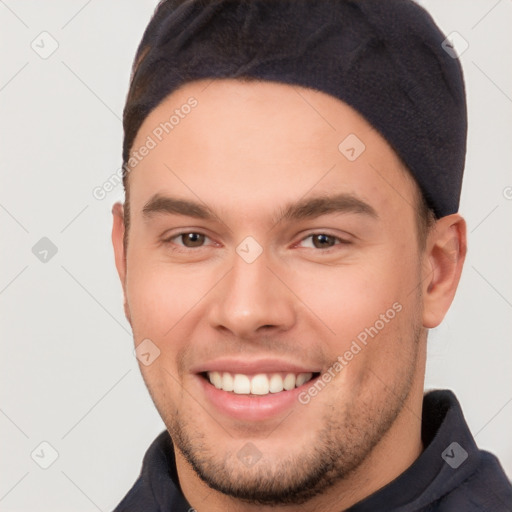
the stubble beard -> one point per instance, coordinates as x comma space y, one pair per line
343, 443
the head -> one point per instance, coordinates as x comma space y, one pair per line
274, 230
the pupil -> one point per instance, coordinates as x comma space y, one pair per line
323, 240
193, 239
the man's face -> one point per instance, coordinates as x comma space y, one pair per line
252, 292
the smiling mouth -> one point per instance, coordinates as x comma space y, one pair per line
258, 384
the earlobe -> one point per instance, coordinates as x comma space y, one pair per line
445, 253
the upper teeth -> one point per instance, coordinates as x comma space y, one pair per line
260, 384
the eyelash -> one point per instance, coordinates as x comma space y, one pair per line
182, 248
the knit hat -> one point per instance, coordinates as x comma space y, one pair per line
384, 58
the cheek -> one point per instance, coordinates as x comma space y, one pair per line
163, 297
349, 298
163, 300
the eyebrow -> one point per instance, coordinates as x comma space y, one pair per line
300, 210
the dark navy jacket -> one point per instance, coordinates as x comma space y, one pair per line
451, 475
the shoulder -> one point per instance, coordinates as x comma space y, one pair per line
486, 489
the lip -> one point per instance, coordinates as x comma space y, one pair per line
248, 367
251, 408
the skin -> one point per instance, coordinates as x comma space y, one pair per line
245, 151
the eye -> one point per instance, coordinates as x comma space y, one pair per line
323, 241
188, 240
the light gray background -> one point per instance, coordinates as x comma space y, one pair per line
69, 376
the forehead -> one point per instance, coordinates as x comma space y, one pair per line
254, 142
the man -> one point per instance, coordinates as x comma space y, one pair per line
290, 233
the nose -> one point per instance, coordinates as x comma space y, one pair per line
251, 300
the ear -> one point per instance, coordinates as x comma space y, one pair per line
444, 257
119, 250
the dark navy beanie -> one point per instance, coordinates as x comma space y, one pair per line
384, 58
